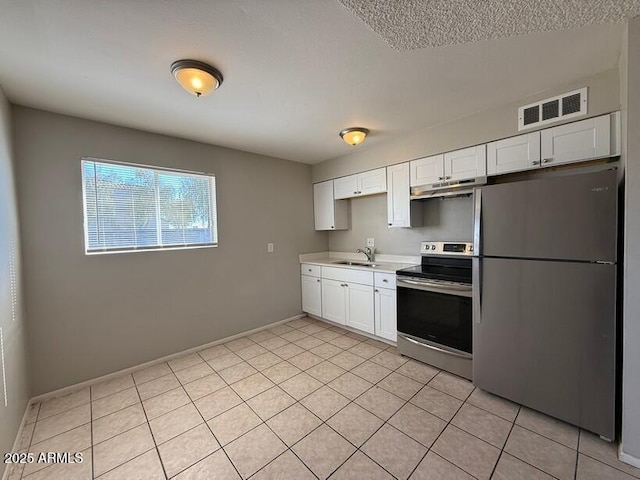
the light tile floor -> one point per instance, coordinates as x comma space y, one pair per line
299, 401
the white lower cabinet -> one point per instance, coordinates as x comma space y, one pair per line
360, 307
312, 295
347, 297
311, 289
385, 312
348, 304
334, 301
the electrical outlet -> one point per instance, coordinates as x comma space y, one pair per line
270, 247
370, 243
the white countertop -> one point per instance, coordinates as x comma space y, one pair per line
384, 263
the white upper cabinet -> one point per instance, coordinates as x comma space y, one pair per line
513, 154
373, 181
453, 166
346, 187
401, 212
329, 214
578, 141
427, 170
466, 163
366, 183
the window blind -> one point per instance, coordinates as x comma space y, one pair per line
128, 207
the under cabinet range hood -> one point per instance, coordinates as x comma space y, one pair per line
456, 188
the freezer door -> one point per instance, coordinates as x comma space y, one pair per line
570, 217
544, 336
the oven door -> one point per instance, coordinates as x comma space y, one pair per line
437, 312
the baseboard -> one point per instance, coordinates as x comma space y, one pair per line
18, 439
628, 459
354, 330
109, 376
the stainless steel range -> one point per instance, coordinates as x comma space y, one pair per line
435, 307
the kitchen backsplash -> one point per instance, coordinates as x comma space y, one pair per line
444, 219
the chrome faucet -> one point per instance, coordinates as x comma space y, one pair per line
368, 252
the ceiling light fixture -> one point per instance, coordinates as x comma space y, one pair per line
196, 77
354, 135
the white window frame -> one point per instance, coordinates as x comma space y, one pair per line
213, 212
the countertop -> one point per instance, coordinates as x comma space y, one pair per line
384, 263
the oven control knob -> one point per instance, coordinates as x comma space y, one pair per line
433, 247
426, 247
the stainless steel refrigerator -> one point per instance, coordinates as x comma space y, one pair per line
544, 300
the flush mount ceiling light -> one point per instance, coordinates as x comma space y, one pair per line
354, 135
196, 77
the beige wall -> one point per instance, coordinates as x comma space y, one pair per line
472, 130
630, 93
91, 315
443, 219
11, 312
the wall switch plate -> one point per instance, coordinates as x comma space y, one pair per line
370, 242
270, 247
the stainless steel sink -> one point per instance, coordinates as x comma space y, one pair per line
359, 264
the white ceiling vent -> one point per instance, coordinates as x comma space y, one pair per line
554, 109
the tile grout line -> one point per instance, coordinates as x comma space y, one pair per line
209, 427
93, 465
513, 425
636, 475
445, 427
35, 424
153, 437
575, 474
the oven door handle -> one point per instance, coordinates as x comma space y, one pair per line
441, 350
459, 290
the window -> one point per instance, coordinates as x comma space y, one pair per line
129, 208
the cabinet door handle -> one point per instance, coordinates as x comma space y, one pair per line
384, 279
547, 160
440, 178
535, 162
318, 280
332, 226
309, 269
447, 177
390, 224
377, 291
355, 193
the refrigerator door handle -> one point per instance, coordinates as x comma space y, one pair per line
477, 220
477, 290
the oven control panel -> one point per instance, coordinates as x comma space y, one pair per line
446, 248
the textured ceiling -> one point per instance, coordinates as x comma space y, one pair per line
296, 72
415, 24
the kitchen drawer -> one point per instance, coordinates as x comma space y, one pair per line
311, 270
384, 280
348, 275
